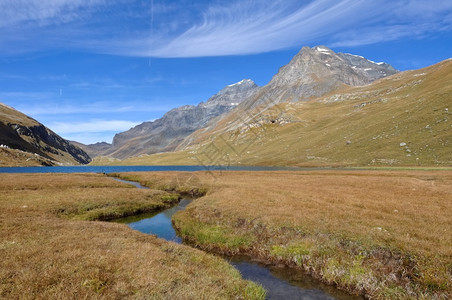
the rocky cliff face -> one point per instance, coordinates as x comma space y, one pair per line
313, 72
166, 133
22, 133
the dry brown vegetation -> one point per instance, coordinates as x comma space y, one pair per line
384, 234
49, 251
18, 158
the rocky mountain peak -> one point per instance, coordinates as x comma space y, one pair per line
312, 73
320, 63
232, 94
241, 85
166, 133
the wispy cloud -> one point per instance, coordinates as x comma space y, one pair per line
247, 27
212, 28
91, 131
35, 25
25, 96
42, 13
89, 137
415, 19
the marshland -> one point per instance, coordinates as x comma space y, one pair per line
381, 234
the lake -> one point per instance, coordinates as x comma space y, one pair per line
118, 169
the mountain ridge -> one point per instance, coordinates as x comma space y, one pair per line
164, 134
311, 73
24, 140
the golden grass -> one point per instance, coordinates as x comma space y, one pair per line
161, 159
48, 252
10, 115
385, 234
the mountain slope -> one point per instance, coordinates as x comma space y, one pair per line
24, 141
312, 73
403, 119
166, 133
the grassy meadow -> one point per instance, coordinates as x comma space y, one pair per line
52, 245
383, 234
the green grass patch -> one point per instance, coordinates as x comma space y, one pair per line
210, 235
107, 211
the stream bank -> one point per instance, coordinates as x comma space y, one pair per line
356, 229
280, 282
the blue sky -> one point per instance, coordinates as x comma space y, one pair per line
88, 69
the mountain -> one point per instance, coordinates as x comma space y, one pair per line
312, 73
399, 120
25, 141
93, 150
316, 71
166, 133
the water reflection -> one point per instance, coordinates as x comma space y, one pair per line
286, 283
280, 283
158, 224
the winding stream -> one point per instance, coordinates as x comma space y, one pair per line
280, 282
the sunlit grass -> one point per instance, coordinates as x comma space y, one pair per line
48, 252
382, 233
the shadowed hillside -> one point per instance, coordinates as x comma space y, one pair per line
25, 141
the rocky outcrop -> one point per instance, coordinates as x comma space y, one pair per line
166, 133
402, 120
314, 72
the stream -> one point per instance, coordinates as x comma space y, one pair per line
280, 282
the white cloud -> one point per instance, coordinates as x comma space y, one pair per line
91, 131
94, 108
247, 27
41, 13
89, 137
92, 126
212, 28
